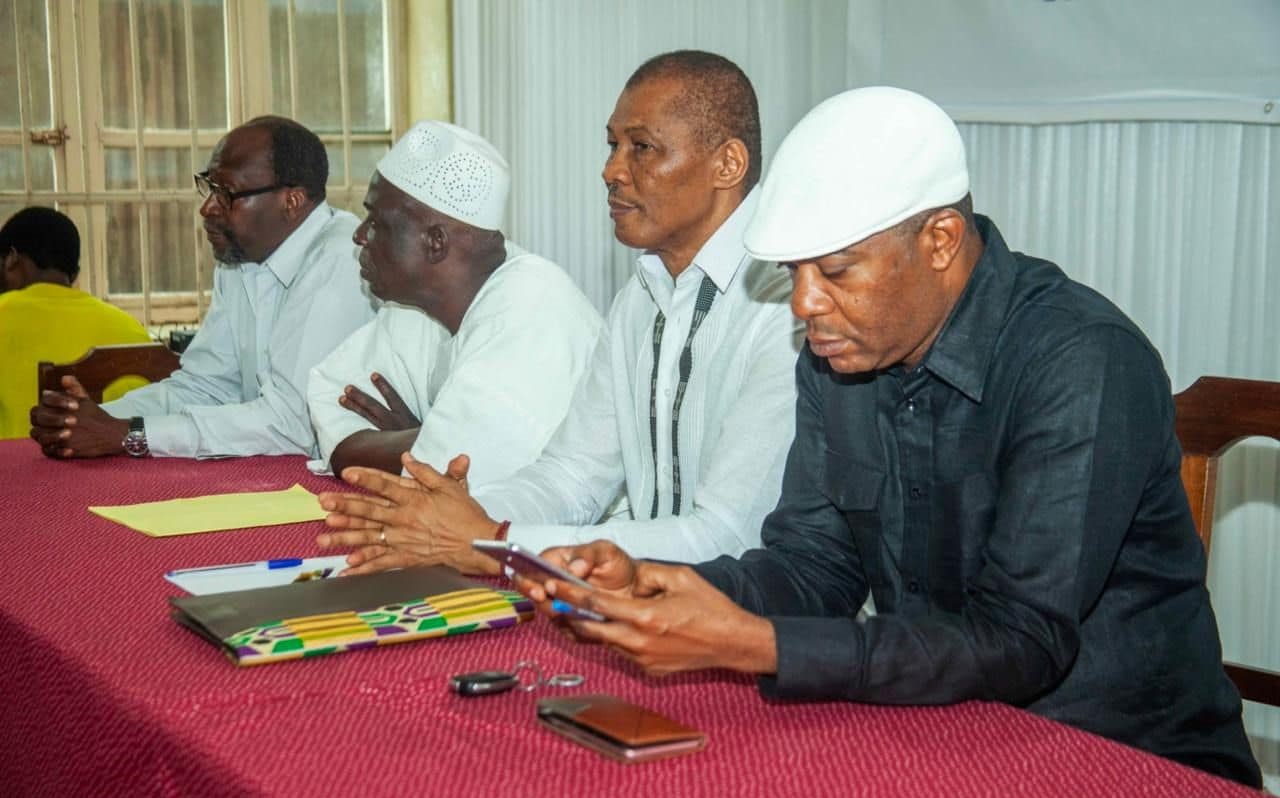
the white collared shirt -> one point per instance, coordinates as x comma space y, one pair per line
735, 426
496, 391
241, 389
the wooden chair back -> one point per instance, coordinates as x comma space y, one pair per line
1213, 415
103, 365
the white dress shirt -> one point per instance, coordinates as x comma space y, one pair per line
735, 424
496, 391
241, 389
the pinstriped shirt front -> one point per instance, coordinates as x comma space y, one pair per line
735, 420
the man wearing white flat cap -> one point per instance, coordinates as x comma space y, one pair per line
982, 444
480, 344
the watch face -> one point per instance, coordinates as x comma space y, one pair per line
135, 443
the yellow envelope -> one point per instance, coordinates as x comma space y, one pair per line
217, 512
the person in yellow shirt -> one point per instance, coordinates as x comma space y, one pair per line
41, 316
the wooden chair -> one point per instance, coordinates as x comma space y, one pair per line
102, 365
1212, 415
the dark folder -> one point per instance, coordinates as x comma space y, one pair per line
325, 616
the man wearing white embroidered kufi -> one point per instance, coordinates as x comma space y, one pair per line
479, 345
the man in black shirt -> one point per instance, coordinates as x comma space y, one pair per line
984, 445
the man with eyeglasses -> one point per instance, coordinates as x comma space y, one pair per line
286, 291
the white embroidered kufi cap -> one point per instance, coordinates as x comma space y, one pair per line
858, 163
452, 170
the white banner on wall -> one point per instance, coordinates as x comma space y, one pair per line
1043, 61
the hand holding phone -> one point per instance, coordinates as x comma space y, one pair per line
529, 565
526, 563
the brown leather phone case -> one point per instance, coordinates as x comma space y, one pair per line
624, 730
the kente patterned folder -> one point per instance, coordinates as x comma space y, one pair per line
326, 616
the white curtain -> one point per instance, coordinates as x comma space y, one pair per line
1071, 61
1177, 222
539, 79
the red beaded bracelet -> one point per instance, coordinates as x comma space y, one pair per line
501, 534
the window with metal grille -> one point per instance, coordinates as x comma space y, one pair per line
110, 106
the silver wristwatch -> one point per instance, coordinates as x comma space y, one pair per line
135, 443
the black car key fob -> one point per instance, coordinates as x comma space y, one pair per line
483, 682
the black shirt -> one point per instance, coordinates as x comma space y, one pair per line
1014, 506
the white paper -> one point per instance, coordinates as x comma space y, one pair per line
219, 579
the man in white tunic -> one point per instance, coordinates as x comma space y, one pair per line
286, 291
480, 345
688, 405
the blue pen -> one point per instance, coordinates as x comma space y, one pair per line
271, 565
565, 608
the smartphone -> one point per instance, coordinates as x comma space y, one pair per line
530, 565
525, 562
618, 729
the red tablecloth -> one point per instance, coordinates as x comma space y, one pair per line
104, 694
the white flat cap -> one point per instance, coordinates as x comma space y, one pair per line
452, 170
858, 163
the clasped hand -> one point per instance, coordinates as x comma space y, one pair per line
392, 417
427, 518
665, 618
68, 424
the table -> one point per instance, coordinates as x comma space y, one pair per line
104, 694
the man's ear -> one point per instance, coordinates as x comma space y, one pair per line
19, 271
437, 243
730, 164
295, 202
942, 236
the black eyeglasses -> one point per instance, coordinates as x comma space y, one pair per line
226, 196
